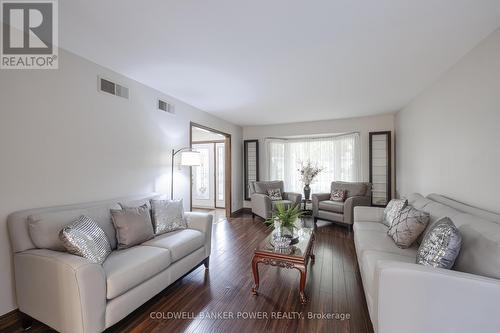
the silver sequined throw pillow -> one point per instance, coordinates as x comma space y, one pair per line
407, 226
86, 239
168, 215
441, 245
394, 207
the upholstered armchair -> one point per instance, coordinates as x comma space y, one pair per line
358, 194
262, 205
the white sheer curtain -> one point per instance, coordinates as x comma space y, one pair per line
339, 156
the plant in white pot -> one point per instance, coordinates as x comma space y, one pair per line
308, 173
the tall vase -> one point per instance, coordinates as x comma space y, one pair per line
307, 192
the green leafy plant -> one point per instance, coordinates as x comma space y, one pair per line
287, 216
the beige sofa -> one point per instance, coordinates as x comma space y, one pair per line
358, 194
70, 294
405, 297
262, 205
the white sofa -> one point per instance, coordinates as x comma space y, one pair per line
70, 294
405, 297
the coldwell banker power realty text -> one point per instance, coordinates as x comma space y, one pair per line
29, 34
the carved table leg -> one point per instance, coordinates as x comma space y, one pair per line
255, 269
313, 257
303, 275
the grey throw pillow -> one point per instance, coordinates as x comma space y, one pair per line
86, 239
393, 208
407, 226
168, 215
133, 225
441, 245
274, 194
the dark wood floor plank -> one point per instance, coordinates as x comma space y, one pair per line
333, 286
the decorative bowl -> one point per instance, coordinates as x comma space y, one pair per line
281, 242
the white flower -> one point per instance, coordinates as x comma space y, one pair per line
308, 172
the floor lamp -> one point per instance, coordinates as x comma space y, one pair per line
189, 157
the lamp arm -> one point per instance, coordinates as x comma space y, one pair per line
175, 152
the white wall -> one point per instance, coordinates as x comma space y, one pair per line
61, 141
363, 125
448, 139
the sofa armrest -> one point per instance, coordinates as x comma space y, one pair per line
65, 291
202, 222
352, 202
368, 214
296, 198
261, 205
316, 198
417, 298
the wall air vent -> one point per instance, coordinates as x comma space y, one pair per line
166, 106
112, 88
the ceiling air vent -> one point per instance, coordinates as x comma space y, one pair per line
112, 88
166, 106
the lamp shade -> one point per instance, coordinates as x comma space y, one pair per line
190, 158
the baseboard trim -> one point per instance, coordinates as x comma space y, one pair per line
241, 211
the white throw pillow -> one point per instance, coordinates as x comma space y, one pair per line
407, 226
393, 208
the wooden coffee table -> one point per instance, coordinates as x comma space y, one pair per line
297, 256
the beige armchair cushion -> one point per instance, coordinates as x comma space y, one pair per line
332, 206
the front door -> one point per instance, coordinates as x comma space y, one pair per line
203, 177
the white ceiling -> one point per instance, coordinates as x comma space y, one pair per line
276, 61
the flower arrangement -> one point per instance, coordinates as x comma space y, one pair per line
308, 172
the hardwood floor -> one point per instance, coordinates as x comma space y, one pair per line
219, 214
333, 287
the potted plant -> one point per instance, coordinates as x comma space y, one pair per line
307, 174
285, 220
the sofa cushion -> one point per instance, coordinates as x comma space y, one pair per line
380, 241
417, 200
128, 268
371, 226
368, 264
331, 206
135, 203
480, 251
180, 243
436, 212
44, 227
